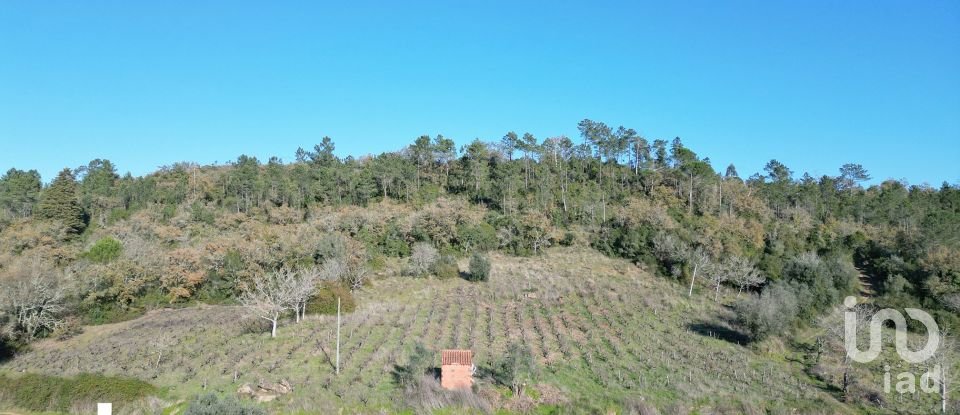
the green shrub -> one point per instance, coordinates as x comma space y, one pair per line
446, 267
325, 301
479, 267
40, 393
769, 314
480, 237
199, 213
211, 404
420, 362
168, 212
518, 368
104, 250
117, 215
96, 312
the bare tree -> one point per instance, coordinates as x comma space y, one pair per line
304, 285
356, 276
698, 259
835, 330
744, 273
160, 343
422, 259
718, 273
34, 305
945, 360
268, 297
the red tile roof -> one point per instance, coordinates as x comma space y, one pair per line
456, 357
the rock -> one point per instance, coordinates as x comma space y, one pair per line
246, 390
265, 391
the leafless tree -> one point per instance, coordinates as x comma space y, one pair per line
698, 259
667, 247
718, 273
356, 276
303, 286
951, 301
353, 273
422, 259
945, 359
161, 342
34, 305
744, 273
834, 329
268, 297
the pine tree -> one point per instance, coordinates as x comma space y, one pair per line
59, 203
19, 191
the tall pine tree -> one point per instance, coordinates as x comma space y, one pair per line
59, 203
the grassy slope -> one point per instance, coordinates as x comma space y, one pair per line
604, 331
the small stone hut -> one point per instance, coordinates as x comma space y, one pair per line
456, 369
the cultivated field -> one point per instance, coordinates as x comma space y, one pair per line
604, 331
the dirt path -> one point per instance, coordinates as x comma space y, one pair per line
867, 290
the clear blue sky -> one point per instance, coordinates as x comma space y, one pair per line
812, 84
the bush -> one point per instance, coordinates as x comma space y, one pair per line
771, 313
422, 259
40, 393
518, 368
199, 213
104, 250
419, 363
330, 246
211, 404
71, 326
481, 237
479, 267
325, 301
446, 267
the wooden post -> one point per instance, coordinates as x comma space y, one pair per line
338, 335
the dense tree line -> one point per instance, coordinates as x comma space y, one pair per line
656, 202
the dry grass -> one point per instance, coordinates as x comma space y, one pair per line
604, 332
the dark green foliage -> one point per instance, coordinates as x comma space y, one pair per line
211, 404
325, 300
770, 313
40, 393
820, 283
59, 203
19, 191
104, 250
393, 242
420, 362
517, 369
633, 243
480, 237
168, 212
446, 267
479, 267
200, 213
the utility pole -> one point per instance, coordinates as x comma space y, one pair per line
338, 335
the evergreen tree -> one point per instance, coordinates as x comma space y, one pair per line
19, 191
59, 203
731, 171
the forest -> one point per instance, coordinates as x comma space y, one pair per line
782, 249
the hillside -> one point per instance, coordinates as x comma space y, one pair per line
602, 330
626, 276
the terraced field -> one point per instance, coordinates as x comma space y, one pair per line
600, 328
